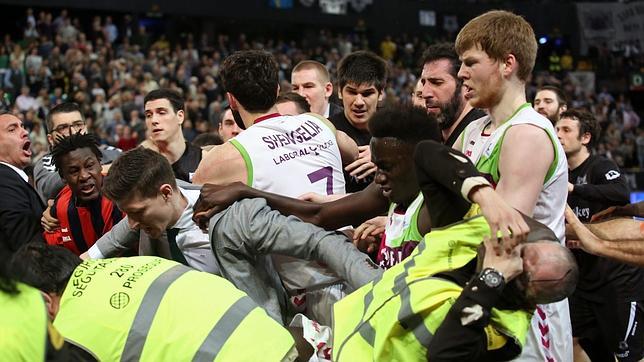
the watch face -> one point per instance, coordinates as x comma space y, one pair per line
492, 278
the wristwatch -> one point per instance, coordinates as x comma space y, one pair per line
492, 278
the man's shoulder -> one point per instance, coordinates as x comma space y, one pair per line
603, 167
109, 153
7, 171
45, 163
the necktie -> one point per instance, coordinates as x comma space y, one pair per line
176, 253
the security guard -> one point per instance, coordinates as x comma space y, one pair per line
152, 309
25, 333
438, 304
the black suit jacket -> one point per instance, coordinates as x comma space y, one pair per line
20, 210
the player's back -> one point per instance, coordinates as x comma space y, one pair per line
291, 155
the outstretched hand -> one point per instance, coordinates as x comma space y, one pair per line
503, 258
214, 199
580, 236
502, 218
362, 167
366, 236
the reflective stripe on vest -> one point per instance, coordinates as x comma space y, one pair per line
151, 309
394, 318
223, 329
147, 310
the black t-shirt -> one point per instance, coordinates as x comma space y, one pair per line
362, 138
599, 185
472, 115
185, 166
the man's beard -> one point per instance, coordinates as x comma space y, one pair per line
447, 116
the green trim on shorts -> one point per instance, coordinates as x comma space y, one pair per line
247, 160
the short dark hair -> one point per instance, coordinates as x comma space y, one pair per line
66, 107
71, 143
138, 172
440, 51
252, 77
362, 67
175, 99
587, 124
302, 104
207, 139
406, 123
44, 267
561, 96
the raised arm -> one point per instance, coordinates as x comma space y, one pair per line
450, 182
621, 239
350, 210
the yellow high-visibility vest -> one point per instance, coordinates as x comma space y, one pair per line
153, 309
23, 325
394, 317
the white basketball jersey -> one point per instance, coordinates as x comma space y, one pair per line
550, 337
290, 156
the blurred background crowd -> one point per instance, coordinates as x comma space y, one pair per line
107, 62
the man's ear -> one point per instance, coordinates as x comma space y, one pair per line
181, 114
166, 191
52, 302
328, 90
509, 65
585, 138
563, 108
381, 94
50, 139
232, 101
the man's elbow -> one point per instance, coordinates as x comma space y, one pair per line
199, 177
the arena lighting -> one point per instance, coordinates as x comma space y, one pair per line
543, 40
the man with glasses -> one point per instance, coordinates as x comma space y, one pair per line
63, 120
